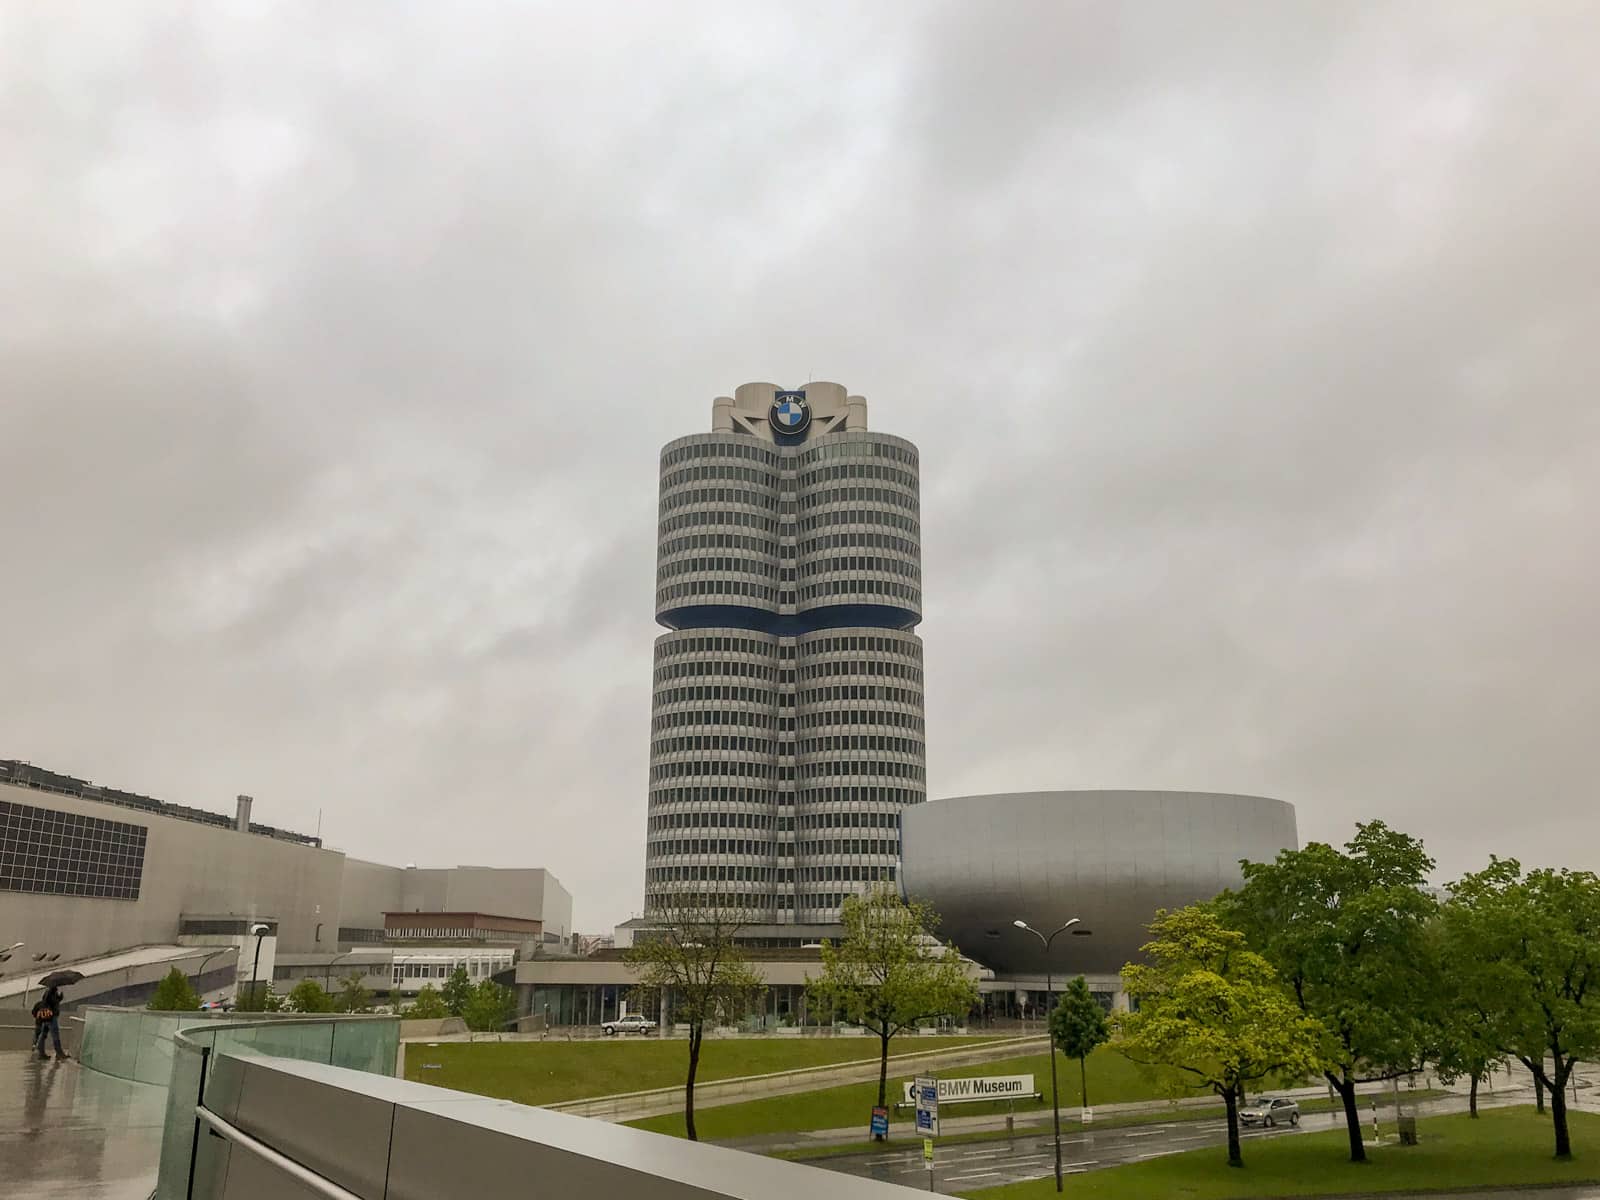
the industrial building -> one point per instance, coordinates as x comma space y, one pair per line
89, 871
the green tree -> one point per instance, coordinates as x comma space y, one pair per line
1077, 1026
428, 1006
1213, 1014
353, 997
1531, 948
888, 972
1466, 1045
259, 998
1347, 932
492, 1006
308, 996
457, 991
174, 994
690, 964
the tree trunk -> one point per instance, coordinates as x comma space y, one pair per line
1538, 1092
883, 1072
1352, 1118
1558, 1108
1083, 1081
1472, 1098
695, 1030
1230, 1099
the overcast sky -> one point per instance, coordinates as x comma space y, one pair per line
1251, 351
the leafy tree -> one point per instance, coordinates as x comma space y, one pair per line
492, 1006
1347, 932
353, 997
691, 962
308, 996
1213, 1013
1531, 948
428, 1006
1077, 1026
888, 972
457, 991
1466, 1044
260, 998
174, 994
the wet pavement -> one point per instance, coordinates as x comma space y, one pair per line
67, 1131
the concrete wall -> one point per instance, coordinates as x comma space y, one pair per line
507, 892
188, 868
370, 890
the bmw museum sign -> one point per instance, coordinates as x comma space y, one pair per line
982, 1087
790, 414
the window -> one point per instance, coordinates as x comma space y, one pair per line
67, 854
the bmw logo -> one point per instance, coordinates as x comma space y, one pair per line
790, 413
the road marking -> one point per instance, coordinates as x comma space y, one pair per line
970, 1175
1156, 1154
1144, 1133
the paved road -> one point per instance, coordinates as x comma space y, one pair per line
988, 1164
961, 1168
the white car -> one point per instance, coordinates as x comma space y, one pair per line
632, 1023
1267, 1111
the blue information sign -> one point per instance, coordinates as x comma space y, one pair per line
880, 1122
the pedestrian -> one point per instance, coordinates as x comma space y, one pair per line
47, 1021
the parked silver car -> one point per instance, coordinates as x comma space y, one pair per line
632, 1023
1270, 1111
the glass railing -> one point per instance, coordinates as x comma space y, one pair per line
170, 1050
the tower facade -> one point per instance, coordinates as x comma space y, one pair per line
787, 718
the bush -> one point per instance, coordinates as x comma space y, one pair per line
174, 994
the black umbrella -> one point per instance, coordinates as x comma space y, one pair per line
60, 978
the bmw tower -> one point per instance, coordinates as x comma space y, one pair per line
786, 720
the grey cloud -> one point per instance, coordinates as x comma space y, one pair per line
1248, 349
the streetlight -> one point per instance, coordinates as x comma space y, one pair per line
1049, 990
258, 932
200, 974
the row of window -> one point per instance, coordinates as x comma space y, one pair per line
882, 667
707, 471
732, 517
827, 847
749, 450
656, 901
811, 475
839, 872
860, 691
719, 819
861, 587
856, 447
695, 668
829, 902
733, 873
713, 794
827, 718
718, 496
716, 691
882, 743
722, 565
719, 741
718, 587
700, 845
862, 539
858, 495
891, 770
722, 541
859, 516
737, 718
853, 563
674, 644
850, 820
727, 768
906, 644
858, 793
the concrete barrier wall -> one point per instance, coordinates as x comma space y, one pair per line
278, 1128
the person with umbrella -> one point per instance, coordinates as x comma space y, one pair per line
47, 1012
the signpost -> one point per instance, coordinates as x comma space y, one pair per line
976, 1088
927, 1097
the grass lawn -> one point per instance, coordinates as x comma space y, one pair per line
1112, 1080
550, 1072
1505, 1147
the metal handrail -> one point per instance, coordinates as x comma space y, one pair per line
266, 1153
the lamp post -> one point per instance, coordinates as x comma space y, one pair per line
200, 974
259, 932
1049, 987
